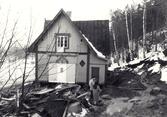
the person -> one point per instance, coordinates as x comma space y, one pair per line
91, 84
96, 93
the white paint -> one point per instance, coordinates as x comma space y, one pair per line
59, 72
62, 25
78, 73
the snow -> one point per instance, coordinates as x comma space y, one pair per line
82, 114
155, 68
59, 86
155, 55
135, 61
164, 74
15, 69
140, 73
113, 66
137, 69
151, 56
99, 54
162, 56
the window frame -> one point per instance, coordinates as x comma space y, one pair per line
61, 39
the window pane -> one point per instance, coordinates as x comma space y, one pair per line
58, 41
61, 70
62, 41
66, 42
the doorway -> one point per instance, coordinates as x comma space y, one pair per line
95, 73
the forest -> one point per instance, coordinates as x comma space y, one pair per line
138, 27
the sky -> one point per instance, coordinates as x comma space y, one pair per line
34, 12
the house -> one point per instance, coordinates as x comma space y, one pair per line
64, 51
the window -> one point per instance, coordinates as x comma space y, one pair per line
62, 41
61, 70
58, 41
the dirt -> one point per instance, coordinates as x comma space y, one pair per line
121, 100
125, 102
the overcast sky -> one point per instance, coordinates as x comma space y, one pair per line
37, 10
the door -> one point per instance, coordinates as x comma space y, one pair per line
95, 73
57, 72
62, 73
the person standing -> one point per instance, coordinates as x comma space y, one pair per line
91, 84
96, 93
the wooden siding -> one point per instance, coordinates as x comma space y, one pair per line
76, 53
97, 31
63, 26
80, 70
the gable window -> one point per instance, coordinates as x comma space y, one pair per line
62, 41
66, 42
58, 41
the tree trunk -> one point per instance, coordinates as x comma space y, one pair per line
115, 45
144, 30
127, 29
131, 31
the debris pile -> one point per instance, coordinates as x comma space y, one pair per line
138, 73
61, 100
150, 73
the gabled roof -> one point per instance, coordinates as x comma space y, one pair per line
97, 31
46, 29
49, 24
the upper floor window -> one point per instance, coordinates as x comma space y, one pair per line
62, 41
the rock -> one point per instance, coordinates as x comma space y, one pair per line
35, 115
105, 96
135, 99
75, 108
155, 91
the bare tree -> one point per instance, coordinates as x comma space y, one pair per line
144, 28
127, 29
114, 39
9, 45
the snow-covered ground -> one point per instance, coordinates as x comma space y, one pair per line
155, 68
12, 70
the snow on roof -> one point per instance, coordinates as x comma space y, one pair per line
99, 54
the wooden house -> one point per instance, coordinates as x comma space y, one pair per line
65, 51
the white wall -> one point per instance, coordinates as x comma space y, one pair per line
76, 44
97, 62
63, 25
101, 72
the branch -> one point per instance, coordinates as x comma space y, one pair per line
10, 42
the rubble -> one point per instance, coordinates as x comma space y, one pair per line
48, 102
129, 80
135, 87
